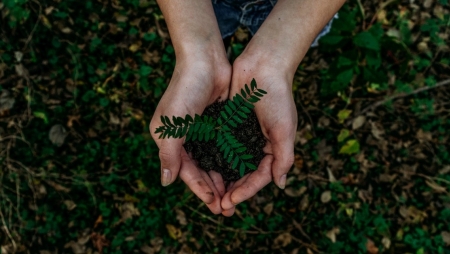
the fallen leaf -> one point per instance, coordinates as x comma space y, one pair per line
358, 122
371, 248
174, 232
436, 187
268, 208
181, 217
350, 147
325, 197
57, 134
70, 205
343, 115
332, 234
386, 242
446, 237
282, 240
295, 192
331, 177
343, 135
6, 101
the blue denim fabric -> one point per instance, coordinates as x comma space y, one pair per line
249, 13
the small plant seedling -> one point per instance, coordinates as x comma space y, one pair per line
206, 128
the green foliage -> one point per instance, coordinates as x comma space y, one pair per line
204, 128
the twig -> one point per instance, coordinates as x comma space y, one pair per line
401, 95
34, 28
225, 228
7, 231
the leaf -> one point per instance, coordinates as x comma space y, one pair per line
243, 93
325, 197
242, 114
358, 122
262, 91
232, 105
174, 232
343, 135
41, 115
223, 115
253, 84
242, 169
228, 109
250, 166
350, 147
168, 121
246, 157
343, 115
237, 119
232, 123
235, 162
366, 40
226, 153
57, 134
247, 89
188, 118
242, 149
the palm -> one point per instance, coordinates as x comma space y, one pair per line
278, 120
192, 88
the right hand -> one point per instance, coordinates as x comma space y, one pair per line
198, 81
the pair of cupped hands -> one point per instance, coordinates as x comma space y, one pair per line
203, 77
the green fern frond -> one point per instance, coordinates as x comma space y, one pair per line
204, 128
240, 106
233, 151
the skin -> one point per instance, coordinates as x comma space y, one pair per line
271, 57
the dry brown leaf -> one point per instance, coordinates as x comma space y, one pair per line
99, 241
371, 248
331, 177
295, 192
58, 187
325, 197
436, 187
181, 217
268, 208
358, 122
332, 234
70, 205
282, 240
298, 162
446, 237
304, 203
386, 242
428, 3
157, 243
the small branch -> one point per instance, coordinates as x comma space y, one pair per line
401, 95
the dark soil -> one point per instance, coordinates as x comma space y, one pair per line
208, 155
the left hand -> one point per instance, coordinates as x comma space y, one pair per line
277, 116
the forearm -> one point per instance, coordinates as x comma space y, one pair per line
193, 27
287, 33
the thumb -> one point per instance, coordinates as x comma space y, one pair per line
170, 156
283, 153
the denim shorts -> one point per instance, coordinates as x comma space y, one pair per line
251, 14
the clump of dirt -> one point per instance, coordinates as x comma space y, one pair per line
208, 155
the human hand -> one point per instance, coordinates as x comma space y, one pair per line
198, 81
277, 116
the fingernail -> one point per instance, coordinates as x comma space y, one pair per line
166, 177
282, 182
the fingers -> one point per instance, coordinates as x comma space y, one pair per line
283, 153
249, 185
200, 184
170, 156
217, 182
